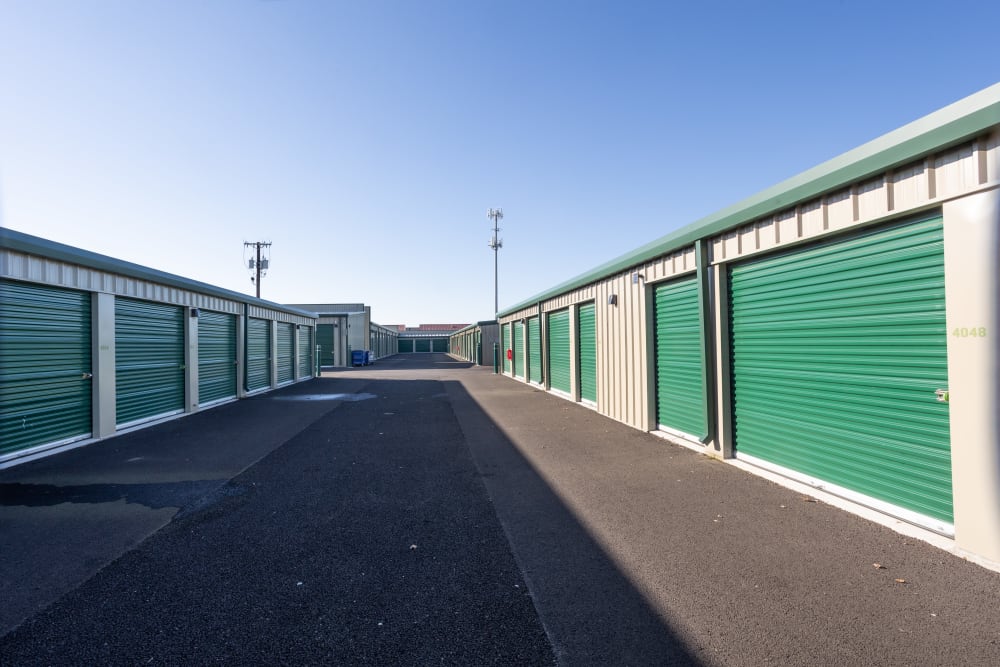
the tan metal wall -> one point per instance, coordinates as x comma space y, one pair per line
928, 183
33, 268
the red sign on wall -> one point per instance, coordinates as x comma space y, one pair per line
510, 354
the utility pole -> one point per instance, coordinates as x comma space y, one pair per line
260, 264
496, 214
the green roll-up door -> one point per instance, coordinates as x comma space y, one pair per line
422, 345
558, 350
588, 351
405, 345
680, 382
216, 357
149, 360
439, 344
258, 354
306, 352
837, 351
45, 366
286, 352
518, 361
325, 340
534, 350
505, 343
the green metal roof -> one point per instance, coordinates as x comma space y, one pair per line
34, 245
945, 127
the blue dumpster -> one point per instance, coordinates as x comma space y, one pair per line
358, 357
369, 358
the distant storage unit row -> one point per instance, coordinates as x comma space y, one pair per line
475, 342
90, 346
839, 329
425, 343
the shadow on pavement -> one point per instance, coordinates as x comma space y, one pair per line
370, 533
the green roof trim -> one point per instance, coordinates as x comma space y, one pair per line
955, 123
34, 245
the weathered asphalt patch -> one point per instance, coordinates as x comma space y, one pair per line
324, 397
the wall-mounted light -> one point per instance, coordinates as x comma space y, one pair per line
636, 277
612, 299
298, 327
194, 312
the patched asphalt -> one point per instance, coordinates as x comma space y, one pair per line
424, 512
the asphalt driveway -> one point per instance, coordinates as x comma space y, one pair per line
421, 511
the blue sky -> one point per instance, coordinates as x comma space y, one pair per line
367, 140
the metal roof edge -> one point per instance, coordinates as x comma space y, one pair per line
939, 129
474, 325
35, 245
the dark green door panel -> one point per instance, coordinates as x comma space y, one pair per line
216, 356
149, 359
587, 349
439, 344
517, 362
422, 344
325, 339
534, 350
306, 351
680, 390
405, 345
558, 350
505, 343
837, 351
286, 352
258, 354
45, 365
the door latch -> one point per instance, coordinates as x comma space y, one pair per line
942, 395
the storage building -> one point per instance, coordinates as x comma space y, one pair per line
839, 329
91, 346
475, 342
345, 327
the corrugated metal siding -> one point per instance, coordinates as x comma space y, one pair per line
258, 354
680, 390
286, 352
149, 360
216, 356
558, 350
534, 350
837, 351
956, 171
306, 352
45, 363
518, 350
587, 351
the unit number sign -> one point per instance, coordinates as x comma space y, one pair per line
969, 332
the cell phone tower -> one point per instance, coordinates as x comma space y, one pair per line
496, 214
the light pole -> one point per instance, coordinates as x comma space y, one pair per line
496, 214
